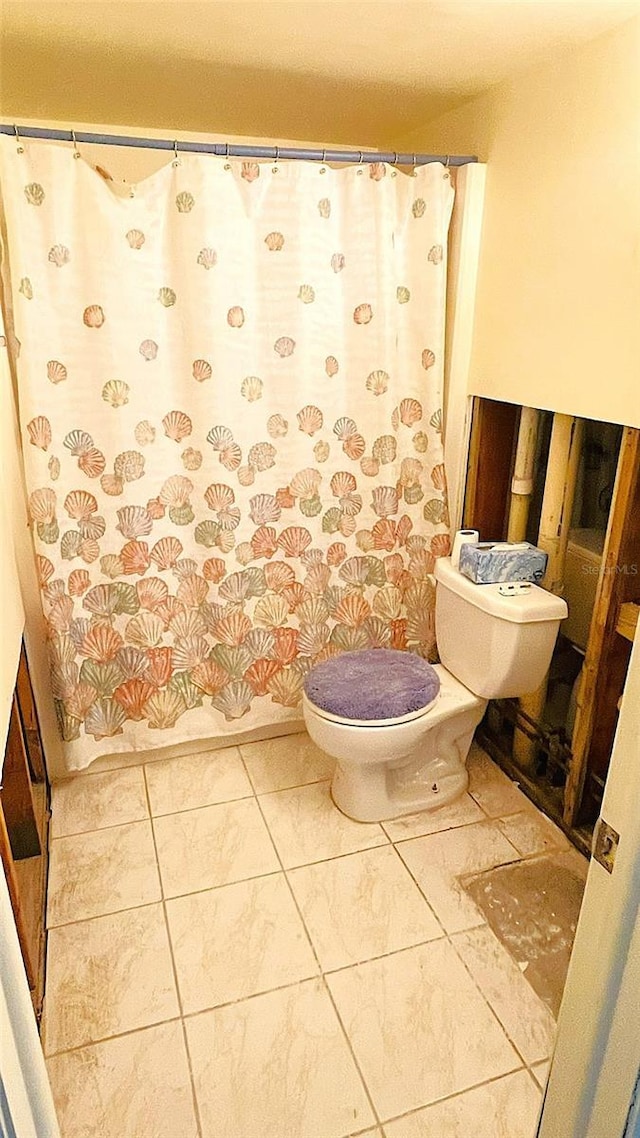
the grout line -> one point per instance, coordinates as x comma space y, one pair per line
419, 888
107, 1038
200, 806
429, 833
453, 1095
383, 955
366, 1130
222, 885
540, 1085
99, 829
317, 959
101, 916
487, 1002
336, 857
247, 771
480, 923
252, 996
298, 786
196, 1107
294, 786
108, 913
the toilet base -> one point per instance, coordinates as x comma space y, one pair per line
429, 793
379, 792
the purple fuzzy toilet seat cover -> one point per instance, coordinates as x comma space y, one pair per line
376, 683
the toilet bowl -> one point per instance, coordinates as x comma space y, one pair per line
397, 766
494, 641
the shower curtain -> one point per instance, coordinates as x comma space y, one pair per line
230, 389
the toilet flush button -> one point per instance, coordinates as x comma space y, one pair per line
515, 588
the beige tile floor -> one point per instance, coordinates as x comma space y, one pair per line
231, 957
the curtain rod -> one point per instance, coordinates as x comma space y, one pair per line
232, 150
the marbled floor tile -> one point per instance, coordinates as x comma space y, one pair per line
461, 812
93, 801
490, 787
419, 1028
533, 907
276, 1065
293, 760
505, 1108
526, 1019
437, 860
360, 906
306, 826
532, 833
574, 861
214, 845
101, 872
196, 780
540, 1072
134, 1086
106, 976
236, 941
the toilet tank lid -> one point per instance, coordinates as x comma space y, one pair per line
372, 684
531, 606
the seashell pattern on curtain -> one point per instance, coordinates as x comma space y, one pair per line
230, 389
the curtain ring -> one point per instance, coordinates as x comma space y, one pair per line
176, 160
274, 168
227, 165
323, 168
76, 152
414, 174
19, 147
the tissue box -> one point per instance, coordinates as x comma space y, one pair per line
493, 561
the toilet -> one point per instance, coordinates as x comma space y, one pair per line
400, 728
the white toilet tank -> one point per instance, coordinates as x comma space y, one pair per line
496, 642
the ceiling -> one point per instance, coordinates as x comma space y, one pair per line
336, 71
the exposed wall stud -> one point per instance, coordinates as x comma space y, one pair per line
603, 669
555, 520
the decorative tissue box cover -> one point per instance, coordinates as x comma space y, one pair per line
490, 561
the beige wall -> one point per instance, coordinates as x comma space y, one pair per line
558, 307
